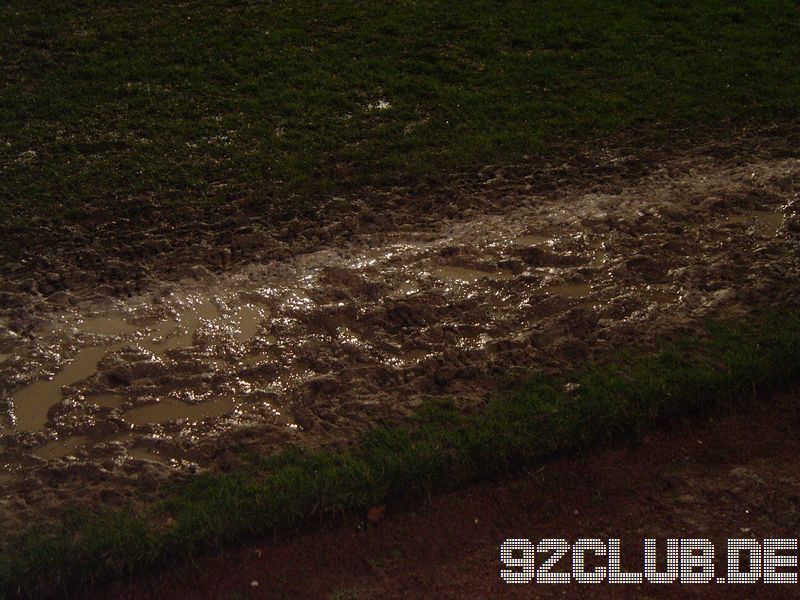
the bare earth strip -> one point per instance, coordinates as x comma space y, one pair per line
719, 480
105, 395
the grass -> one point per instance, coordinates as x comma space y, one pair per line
108, 109
442, 448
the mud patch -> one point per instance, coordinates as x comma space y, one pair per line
104, 326
61, 448
575, 290
31, 403
171, 409
106, 400
464, 275
532, 240
148, 455
762, 222
310, 349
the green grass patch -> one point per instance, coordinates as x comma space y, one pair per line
441, 448
106, 104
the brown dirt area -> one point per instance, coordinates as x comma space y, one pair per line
135, 354
734, 476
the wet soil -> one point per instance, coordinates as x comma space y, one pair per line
106, 391
718, 480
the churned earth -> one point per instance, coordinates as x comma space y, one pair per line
161, 358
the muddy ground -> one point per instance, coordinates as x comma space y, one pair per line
125, 361
718, 480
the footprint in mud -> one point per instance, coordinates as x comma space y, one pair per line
61, 447
105, 400
764, 223
111, 325
248, 320
146, 454
573, 290
532, 240
465, 275
172, 409
415, 355
259, 358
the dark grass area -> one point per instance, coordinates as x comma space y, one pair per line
442, 448
106, 106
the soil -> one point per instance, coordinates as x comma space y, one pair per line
735, 476
126, 363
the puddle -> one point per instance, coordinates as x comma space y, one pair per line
112, 325
5, 357
32, 403
574, 290
765, 222
172, 409
139, 450
61, 448
249, 319
175, 337
470, 275
106, 400
532, 240
6, 477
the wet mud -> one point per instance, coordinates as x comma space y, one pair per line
104, 396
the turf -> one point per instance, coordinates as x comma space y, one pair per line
440, 449
109, 107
